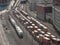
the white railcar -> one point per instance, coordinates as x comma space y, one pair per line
19, 31
24, 13
17, 28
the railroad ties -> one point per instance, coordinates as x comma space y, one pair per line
39, 31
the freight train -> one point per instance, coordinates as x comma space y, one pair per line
43, 37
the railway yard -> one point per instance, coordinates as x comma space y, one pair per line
34, 32
29, 22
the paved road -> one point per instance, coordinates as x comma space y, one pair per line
3, 38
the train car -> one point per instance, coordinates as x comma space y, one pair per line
19, 31
24, 13
40, 25
12, 21
16, 27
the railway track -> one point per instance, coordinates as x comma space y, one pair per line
39, 31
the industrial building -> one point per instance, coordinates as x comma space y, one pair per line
4, 4
56, 17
